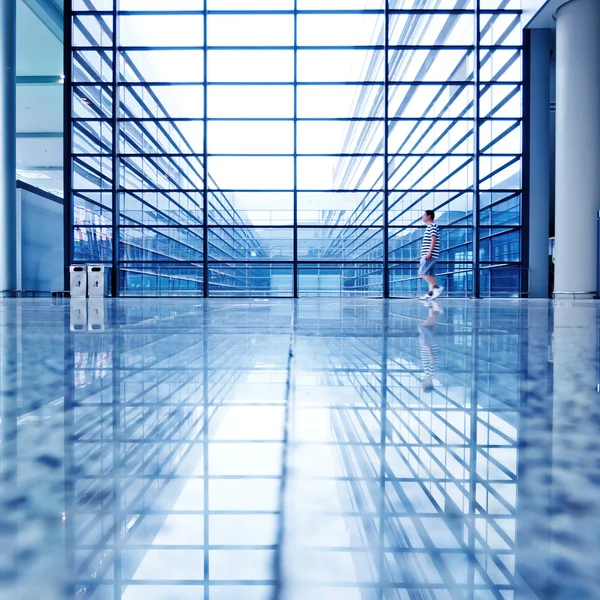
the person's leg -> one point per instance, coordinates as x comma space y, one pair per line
424, 274
436, 289
430, 280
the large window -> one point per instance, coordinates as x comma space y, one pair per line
290, 147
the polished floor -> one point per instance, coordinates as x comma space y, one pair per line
313, 449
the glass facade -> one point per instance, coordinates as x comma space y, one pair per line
290, 147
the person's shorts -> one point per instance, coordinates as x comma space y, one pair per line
427, 267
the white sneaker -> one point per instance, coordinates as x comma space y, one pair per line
437, 291
437, 309
427, 296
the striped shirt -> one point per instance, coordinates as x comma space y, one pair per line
432, 230
430, 351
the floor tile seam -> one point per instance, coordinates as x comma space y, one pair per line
278, 563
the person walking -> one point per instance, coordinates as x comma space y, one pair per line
430, 252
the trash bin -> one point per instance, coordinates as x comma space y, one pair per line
78, 279
78, 314
95, 314
95, 278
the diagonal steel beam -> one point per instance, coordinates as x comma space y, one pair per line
50, 13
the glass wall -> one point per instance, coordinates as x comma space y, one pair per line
290, 147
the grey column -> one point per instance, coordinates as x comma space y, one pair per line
8, 149
577, 146
539, 161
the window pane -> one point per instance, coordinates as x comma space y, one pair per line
256, 4
92, 101
341, 4
340, 101
250, 244
92, 66
92, 244
333, 244
353, 280
424, 65
340, 65
251, 137
162, 101
334, 137
92, 30
161, 137
161, 30
159, 4
340, 208
139, 279
250, 65
93, 137
433, 29
160, 244
250, 280
251, 208
340, 30
247, 101
327, 173
251, 30
251, 173
170, 66
431, 101
161, 208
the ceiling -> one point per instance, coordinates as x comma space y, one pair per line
543, 17
40, 94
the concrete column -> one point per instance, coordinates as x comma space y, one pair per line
577, 146
539, 161
8, 148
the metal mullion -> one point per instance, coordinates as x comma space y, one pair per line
68, 214
354, 83
386, 173
295, 183
205, 279
171, 120
115, 158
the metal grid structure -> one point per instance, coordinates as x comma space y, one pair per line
166, 493
290, 148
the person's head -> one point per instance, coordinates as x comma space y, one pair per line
429, 217
427, 384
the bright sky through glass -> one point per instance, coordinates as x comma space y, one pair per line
336, 102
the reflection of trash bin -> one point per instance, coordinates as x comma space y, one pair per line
78, 279
78, 314
95, 314
95, 279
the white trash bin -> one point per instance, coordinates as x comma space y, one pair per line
78, 314
78, 280
95, 314
95, 279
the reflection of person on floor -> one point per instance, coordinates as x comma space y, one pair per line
429, 349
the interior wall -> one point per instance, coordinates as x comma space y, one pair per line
41, 248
